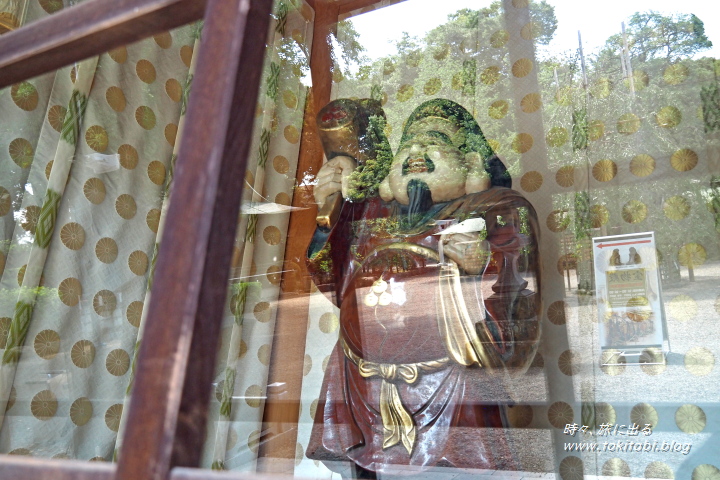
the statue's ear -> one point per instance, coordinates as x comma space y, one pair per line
385, 190
478, 179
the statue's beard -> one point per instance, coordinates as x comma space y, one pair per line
420, 198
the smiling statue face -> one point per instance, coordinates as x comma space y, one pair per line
431, 158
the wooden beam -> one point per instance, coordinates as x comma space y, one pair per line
191, 429
90, 28
188, 262
13, 467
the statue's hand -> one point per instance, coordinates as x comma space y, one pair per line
333, 177
466, 250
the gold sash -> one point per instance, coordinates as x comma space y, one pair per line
398, 424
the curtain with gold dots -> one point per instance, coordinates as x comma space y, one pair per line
85, 158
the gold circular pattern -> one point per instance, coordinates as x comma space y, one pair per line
94, 190
604, 413
658, 470
676, 208
669, 117
44, 405
81, 411
642, 165
644, 414
145, 71
328, 322
145, 117
601, 88
173, 90
117, 362
48, 169
556, 313
73, 74
125, 206
274, 274
599, 216
490, 75
134, 313
253, 396
281, 165
307, 365
262, 312
106, 250
8, 22
325, 362
119, 55
494, 144
29, 218
128, 156
564, 96
156, 173
684, 160
56, 117
272, 235
557, 221
499, 38
565, 176
186, 53
628, 124
25, 96
611, 363
313, 408
596, 130
522, 67
113, 416
82, 353
171, 133
243, 349
21, 275
571, 468
405, 93
616, 467
699, 361
520, 3
439, 52
706, 472
47, 344
557, 137
531, 103
531, 181
21, 451
675, 74
522, 143
164, 40
692, 254
290, 99
531, 30
138, 262
70, 291
22, 152
652, 361
5, 205
634, 211
560, 414
263, 354
97, 138
254, 441
4, 330
567, 363
104, 303
283, 198
432, 86
690, 419
604, 170
72, 235
682, 308
152, 219
388, 67
291, 134
116, 99
520, 416
498, 109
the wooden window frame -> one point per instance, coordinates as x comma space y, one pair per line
167, 415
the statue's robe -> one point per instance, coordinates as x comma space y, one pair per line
417, 331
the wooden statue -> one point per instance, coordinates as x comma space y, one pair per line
431, 254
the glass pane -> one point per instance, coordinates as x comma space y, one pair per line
86, 158
525, 251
